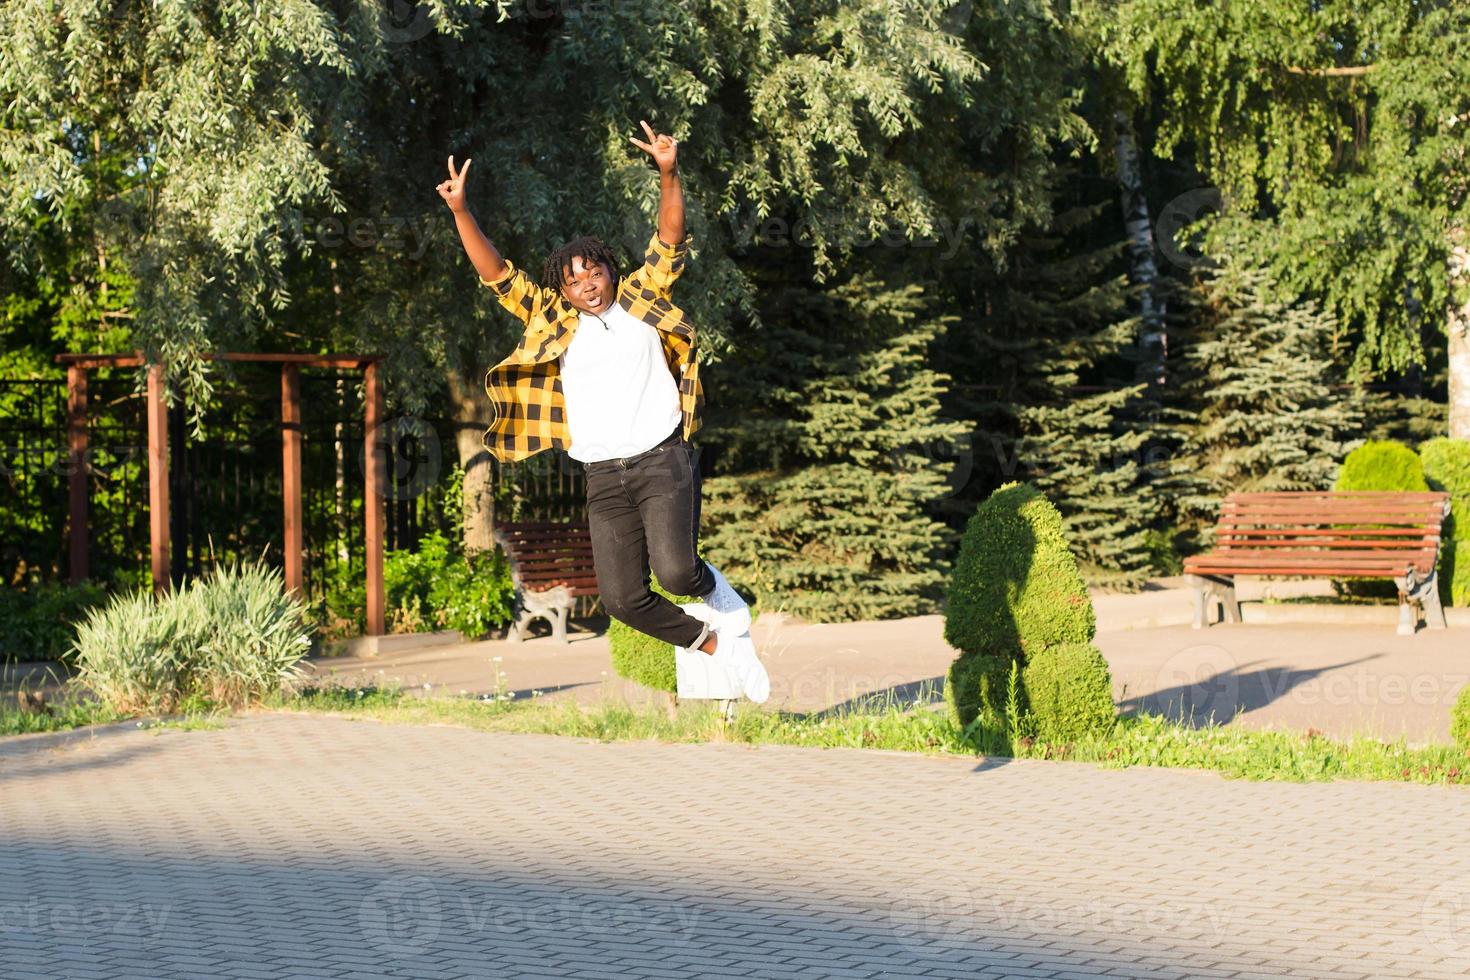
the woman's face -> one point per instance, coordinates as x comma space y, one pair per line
588, 288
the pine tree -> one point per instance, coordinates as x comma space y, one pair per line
1258, 375
1056, 335
832, 417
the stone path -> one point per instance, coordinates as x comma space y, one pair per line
298, 846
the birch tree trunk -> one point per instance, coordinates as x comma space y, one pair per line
1143, 270
471, 417
1458, 327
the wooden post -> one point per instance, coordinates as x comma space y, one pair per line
76, 473
291, 472
158, 478
372, 504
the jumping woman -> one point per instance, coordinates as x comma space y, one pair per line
606, 371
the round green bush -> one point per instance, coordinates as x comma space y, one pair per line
1447, 468
1454, 573
638, 656
1070, 692
975, 687
1382, 465
1015, 584
641, 658
1460, 719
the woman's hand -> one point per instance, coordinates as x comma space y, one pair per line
452, 190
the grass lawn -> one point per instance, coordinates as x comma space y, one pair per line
1148, 740
1137, 741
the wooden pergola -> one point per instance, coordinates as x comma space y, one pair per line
77, 366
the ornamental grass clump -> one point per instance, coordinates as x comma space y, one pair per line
230, 639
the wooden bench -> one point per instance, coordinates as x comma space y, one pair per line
551, 565
1364, 533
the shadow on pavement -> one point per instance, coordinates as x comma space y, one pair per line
1219, 697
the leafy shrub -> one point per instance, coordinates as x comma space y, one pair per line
38, 623
1454, 573
1015, 585
1382, 465
975, 691
1447, 468
1070, 692
1460, 719
1379, 465
229, 638
640, 657
434, 587
644, 659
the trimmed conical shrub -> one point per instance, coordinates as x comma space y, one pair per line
1015, 587
1069, 691
1015, 592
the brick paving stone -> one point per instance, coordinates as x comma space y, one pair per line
291, 845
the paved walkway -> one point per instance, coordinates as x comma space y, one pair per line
296, 846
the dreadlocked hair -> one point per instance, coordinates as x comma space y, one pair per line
589, 249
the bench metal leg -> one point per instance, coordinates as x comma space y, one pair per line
1414, 594
1209, 590
1433, 610
553, 605
1408, 615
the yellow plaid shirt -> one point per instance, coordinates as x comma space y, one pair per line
528, 412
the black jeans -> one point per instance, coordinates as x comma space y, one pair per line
643, 511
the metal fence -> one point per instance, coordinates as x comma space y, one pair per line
226, 478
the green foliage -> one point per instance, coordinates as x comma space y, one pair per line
640, 657
1070, 692
833, 421
1460, 719
1255, 377
975, 690
38, 623
1379, 465
1382, 465
231, 638
1447, 467
1015, 588
1454, 572
1362, 173
1057, 324
432, 588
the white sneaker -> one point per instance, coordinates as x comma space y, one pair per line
737, 654
724, 600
